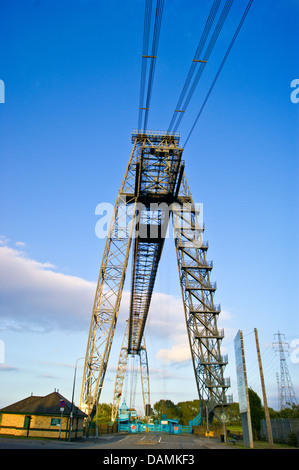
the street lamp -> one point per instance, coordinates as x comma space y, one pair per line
72, 408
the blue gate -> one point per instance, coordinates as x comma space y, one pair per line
136, 427
170, 426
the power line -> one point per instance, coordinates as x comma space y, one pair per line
144, 107
221, 67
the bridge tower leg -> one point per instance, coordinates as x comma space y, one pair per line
121, 372
109, 291
201, 313
144, 372
120, 375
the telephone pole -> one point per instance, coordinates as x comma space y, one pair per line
268, 421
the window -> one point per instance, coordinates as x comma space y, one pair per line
55, 421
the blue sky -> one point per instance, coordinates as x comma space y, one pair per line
72, 74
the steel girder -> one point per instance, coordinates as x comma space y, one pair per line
154, 186
157, 176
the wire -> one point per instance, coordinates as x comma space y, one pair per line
197, 56
206, 57
220, 68
146, 31
157, 29
144, 107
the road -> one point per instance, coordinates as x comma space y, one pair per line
155, 442
122, 442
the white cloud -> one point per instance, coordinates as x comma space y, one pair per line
33, 296
178, 353
169, 317
20, 244
8, 368
4, 240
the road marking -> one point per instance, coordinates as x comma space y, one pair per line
123, 438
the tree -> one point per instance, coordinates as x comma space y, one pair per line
233, 414
256, 410
187, 410
103, 413
290, 413
166, 407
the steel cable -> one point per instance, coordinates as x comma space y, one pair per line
156, 36
147, 22
197, 56
221, 67
206, 57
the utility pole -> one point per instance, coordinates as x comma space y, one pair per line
270, 438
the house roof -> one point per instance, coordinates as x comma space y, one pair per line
47, 405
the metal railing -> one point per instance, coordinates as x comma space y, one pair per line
200, 264
136, 132
205, 333
219, 359
221, 383
206, 309
197, 285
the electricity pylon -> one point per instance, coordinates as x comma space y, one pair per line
155, 189
287, 394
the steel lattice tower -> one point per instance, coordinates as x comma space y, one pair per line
153, 190
287, 393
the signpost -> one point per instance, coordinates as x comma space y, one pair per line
148, 411
62, 405
243, 390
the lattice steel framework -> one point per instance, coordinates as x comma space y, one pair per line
121, 372
287, 397
154, 189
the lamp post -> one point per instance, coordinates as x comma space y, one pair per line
72, 408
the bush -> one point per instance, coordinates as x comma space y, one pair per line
292, 441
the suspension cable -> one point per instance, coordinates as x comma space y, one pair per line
146, 31
206, 57
197, 56
144, 107
220, 68
158, 20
